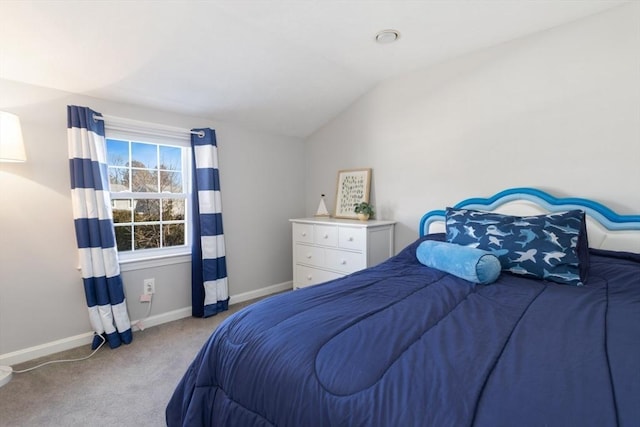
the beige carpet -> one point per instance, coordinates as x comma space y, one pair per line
129, 386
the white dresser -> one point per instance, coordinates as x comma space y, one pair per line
328, 248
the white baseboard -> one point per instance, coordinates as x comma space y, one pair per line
161, 318
46, 349
273, 289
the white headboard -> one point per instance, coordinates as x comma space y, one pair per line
605, 228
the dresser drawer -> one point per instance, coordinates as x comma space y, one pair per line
327, 248
325, 235
346, 262
303, 233
352, 238
307, 276
311, 255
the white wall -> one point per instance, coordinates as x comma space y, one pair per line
41, 294
559, 111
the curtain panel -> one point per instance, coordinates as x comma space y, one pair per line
210, 293
94, 228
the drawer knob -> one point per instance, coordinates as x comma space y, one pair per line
308, 256
326, 236
350, 239
309, 277
304, 234
343, 262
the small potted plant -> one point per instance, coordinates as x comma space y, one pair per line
364, 211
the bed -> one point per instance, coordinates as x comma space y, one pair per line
406, 344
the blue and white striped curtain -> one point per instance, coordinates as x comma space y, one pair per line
209, 288
94, 228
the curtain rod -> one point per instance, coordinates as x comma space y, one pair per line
150, 126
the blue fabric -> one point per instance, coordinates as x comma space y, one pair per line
94, 232
209, 288
402, 344
209, 178
95, 235
213, 309
543, 246
470, 264
87, 173
211, 224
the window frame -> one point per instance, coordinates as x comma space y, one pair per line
145, 258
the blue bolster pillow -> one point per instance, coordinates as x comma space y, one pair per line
474, 265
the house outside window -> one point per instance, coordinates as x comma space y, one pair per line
149, 188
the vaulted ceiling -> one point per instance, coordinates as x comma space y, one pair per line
281, 66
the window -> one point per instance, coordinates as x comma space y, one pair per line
149, 196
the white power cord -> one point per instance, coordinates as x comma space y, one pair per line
64, 360
6, 371
139, 323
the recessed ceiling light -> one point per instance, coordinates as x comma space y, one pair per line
387, 36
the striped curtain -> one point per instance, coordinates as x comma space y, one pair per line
209, 289
94, 228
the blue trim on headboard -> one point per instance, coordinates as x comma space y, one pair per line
428, 218
608, 218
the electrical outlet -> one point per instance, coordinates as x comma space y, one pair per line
149, 287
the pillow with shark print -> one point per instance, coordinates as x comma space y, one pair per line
549, 246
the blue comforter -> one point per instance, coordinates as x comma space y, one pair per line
402, 344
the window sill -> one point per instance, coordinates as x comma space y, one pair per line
152, 262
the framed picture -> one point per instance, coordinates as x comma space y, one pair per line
353, 188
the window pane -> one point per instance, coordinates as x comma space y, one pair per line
147, 236
123, 237
171, 182
144, 180
117, 152
118, 179
170, 158
144, 155
173, 209
147, 210
156, 171
121, 211
173, 235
